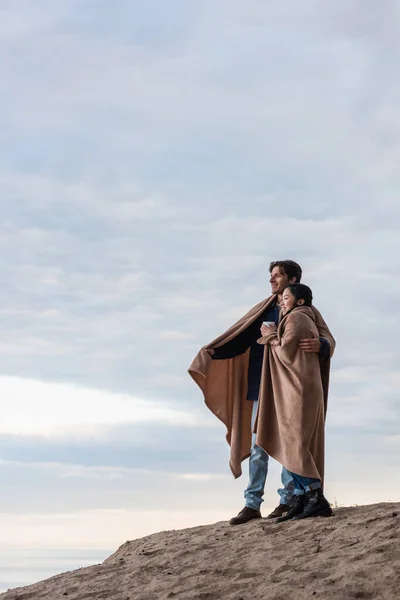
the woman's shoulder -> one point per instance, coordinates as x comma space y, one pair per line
301, 315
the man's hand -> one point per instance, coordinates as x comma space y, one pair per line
209, 351
266, 329
310, 345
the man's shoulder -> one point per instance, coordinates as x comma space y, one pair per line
319, 319
270, 299
264, 304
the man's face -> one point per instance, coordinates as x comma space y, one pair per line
278, 281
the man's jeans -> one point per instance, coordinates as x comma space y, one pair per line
258, 469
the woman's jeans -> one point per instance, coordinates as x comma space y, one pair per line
304, 484
258, 469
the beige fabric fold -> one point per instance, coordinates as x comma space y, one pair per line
290, 423
224, 383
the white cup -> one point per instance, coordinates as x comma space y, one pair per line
268, 323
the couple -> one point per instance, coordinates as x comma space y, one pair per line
275, 385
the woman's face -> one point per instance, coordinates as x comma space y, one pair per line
288, 301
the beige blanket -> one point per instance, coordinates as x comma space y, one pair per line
224, 383
290, 423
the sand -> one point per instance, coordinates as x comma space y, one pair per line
355, 554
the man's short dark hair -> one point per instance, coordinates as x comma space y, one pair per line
289, 268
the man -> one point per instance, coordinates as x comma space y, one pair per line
228, 371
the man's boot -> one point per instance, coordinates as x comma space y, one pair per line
315, 505
296, 508
245, 515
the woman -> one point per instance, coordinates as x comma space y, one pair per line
290, 424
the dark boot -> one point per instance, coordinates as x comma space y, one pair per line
315, 505
296, 508
278, 511
245, 515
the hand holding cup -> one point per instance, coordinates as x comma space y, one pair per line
268, 327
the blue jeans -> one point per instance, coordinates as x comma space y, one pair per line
304, 484
258, 469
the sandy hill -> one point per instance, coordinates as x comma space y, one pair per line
356, 554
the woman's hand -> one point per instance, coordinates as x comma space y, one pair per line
209, 351
268, 330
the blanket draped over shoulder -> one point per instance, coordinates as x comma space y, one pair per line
224, 383
290, 422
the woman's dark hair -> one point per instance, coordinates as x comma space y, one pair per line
301, 292
288, 267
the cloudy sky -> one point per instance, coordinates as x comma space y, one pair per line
155, 157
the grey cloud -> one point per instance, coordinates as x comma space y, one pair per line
54, 489
145, 446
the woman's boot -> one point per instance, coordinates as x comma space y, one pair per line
315, 505
296, 508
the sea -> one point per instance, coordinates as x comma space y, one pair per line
19, 567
